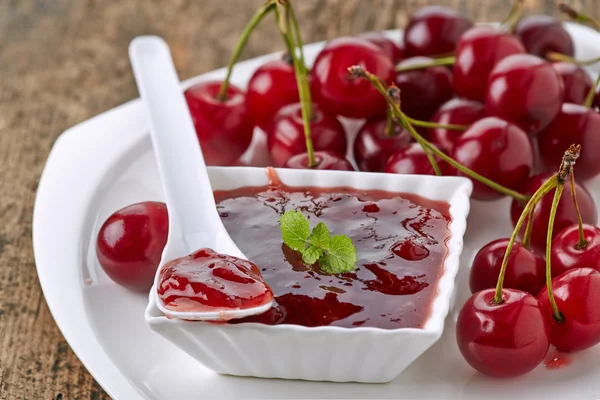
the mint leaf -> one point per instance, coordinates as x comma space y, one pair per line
320, 236
294, 230
334, 255
312, 254
340, 257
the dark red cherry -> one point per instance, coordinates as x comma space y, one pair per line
285, 135
423, 91
434, 31
503, 340
573, 124
477, 52
576, 82
525, 90
272, 86
337, 91
325, 160
372, 147
458, 112
207, 281
499, 151
224, 127
525, 271
567, 254
577, 295
565, 214
541, 34
130, 244
413, 160
390, 48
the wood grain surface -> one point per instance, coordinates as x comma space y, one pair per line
64, 61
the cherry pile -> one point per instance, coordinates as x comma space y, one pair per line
497, 104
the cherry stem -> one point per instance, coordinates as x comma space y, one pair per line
589, 100
537, 196
433, 63
427, 124
511, 20
577, 16
389, 124
566, 168
237, 51
428, 147
528, 229
288, 26
555, 312
554, 56
582, 243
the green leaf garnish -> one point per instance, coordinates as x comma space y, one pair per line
334, 254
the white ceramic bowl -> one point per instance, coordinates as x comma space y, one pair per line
324, 353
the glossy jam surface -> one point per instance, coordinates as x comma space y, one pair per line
207, 281
400, 242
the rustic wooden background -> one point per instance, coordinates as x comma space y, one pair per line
64, 61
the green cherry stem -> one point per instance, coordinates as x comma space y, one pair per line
541, 192
433, 63
555, 312
581, 243
360, 72
237, 51
566, 168
554, 56
589, 100
511, 20
577, 16
526, 242
428, 124
287, 27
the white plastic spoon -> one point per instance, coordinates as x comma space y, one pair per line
194, 222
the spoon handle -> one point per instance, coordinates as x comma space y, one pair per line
193, 218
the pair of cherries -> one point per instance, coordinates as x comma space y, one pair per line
512, 337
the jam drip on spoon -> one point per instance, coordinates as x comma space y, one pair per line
208, 281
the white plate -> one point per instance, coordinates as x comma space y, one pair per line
106, 163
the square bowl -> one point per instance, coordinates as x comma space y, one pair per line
325, 353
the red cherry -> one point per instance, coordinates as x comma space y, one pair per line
422, 91
434, 31
565, 214
272, 86
526, 90
573, 124
390, 48
499, 151
458, 112
326, 160
577, 295
565, 253
130, 244
372, 147
503, 340
477, 52
285, 136
224, 127
541, 34
413, 160
576, 82
337, 91
525, 271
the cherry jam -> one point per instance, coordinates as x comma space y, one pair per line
400, 242
207, 281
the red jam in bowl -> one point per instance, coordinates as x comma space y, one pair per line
400, 241
207, 281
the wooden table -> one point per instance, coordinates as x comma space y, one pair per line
64, 61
